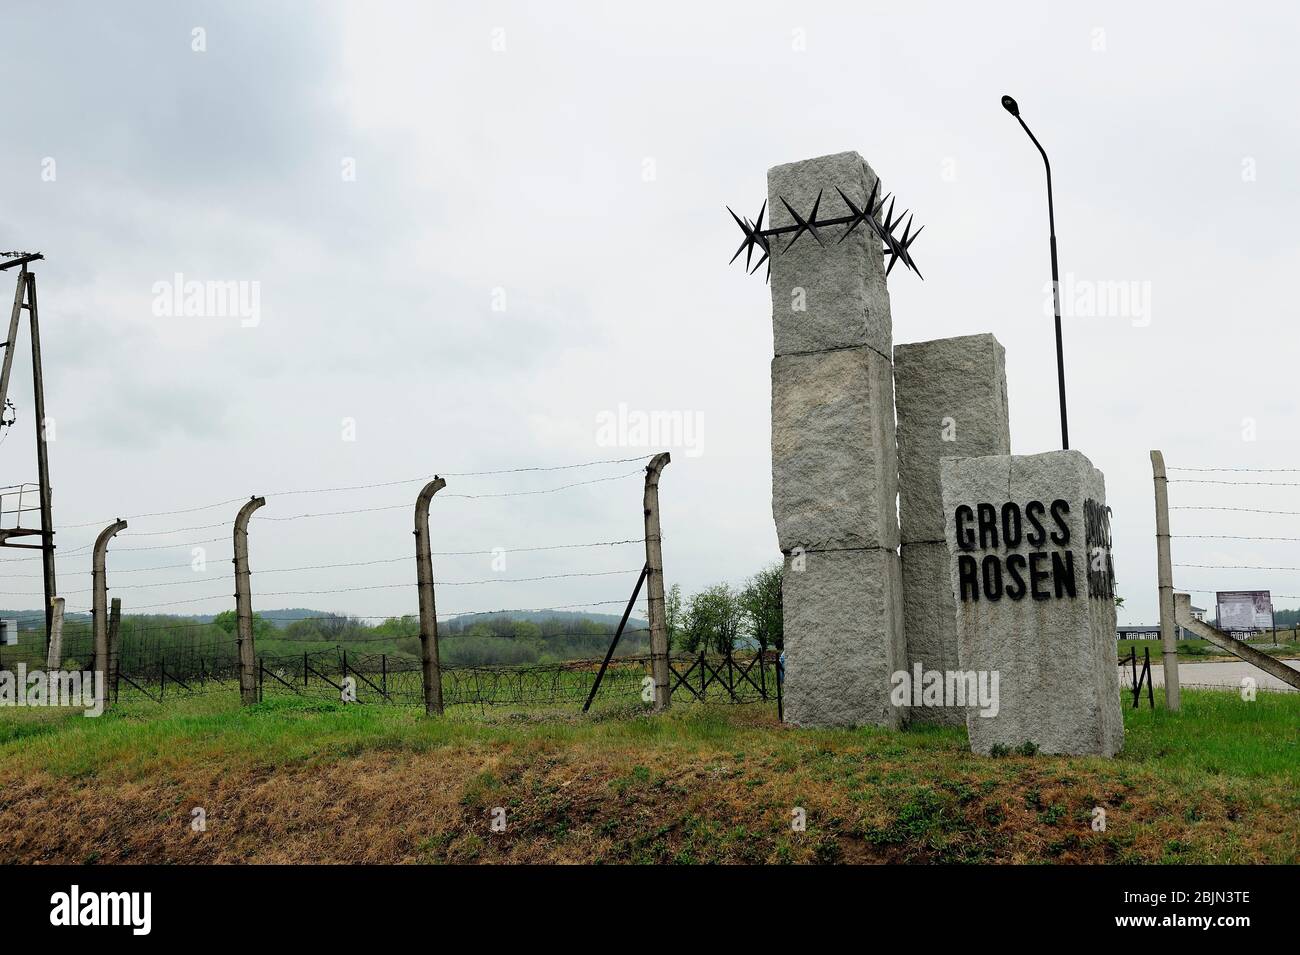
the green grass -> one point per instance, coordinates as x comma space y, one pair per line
313, 780
139, 734
1218, 733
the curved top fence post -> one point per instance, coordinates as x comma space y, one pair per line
654, 559
432, 671
1165, 585
99, 594
244, 604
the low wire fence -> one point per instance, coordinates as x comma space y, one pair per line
382, 678
166, 663
747, 677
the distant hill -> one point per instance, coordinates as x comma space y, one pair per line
37, 615
283, 617
538, 616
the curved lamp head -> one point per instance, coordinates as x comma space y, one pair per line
1010, 105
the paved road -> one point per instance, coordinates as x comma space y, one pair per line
1227, 674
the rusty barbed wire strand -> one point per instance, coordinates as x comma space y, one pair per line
356, 563
358, 487
1241, 510
1234, 483
1233, 567
440, 583
1239, 470
317, 593
1238, 537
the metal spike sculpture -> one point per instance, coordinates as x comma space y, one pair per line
896, 247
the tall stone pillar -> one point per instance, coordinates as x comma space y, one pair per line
1030, 563
951, 397
834, 468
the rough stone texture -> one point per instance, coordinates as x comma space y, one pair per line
834, 470
930, 623
961, 378
834, 466
844, 293
843, 638
1059, 686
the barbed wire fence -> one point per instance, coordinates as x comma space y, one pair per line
1223, 535
488, 657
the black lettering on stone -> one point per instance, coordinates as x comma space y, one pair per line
1036, 575
965, 533
1011, 525
1015, 570
1034, 511
1060, 509
992, 581
1063, 573
968, 577
988, 520
1101, 565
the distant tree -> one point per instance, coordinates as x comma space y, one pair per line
713, 619
673, 615
227, 621
760, 602
527, 634
404, 626
526, 630
334, 626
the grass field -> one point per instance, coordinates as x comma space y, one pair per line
297, 780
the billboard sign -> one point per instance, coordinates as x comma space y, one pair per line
1245, 610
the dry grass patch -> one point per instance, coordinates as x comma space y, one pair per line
317, 782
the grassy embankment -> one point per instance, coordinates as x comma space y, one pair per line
295, 780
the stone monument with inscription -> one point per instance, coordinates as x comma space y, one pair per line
1031, 571
1002, 599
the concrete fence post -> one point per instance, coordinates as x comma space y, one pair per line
429, 665
244, 605
1165, 582
53, 658
654, 559
114, 644
99, 597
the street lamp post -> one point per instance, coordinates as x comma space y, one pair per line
1011, 107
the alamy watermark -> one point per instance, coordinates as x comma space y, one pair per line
956, 688
77, 689
651, 430
75, 907
1091, 298
180, 298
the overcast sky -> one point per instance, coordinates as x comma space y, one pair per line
475, 229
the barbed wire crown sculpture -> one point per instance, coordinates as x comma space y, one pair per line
896, 247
